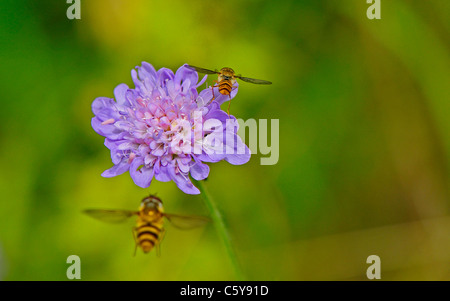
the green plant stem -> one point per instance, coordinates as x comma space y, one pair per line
221, 228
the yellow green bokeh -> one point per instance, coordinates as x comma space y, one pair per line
363, 107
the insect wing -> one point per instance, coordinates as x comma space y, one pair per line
186, 222
254, 81
110, 216
202, 70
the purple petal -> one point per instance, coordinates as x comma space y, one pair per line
185, 74
183, 182
106, 130
172, 89
148, 72
215, 157
162, 175
204, 157
116, 170
201, 82
236, 152
239, 159
143, 176
119, 93
164, 75
101, 103
137, 82
199, 171
207, 94
217, 114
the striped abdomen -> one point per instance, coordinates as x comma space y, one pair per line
147, 235
225, 86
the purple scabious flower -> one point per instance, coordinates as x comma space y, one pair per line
164, 128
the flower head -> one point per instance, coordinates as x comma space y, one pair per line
164, 128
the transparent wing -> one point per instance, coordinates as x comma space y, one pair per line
186, 222
202, 70
110, 216
254, 81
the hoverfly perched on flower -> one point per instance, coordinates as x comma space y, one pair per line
149, 231
226, 80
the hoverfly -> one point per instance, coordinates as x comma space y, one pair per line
149, 231
226, 79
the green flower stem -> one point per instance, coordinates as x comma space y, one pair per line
221, 228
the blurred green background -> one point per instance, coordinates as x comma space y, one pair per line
364, 138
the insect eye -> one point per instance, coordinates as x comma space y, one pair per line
150, 205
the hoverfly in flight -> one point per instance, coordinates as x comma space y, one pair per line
226, 79
149, 230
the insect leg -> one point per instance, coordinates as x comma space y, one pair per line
212, 89
133, 230
161, 236
228, 110
158, 248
